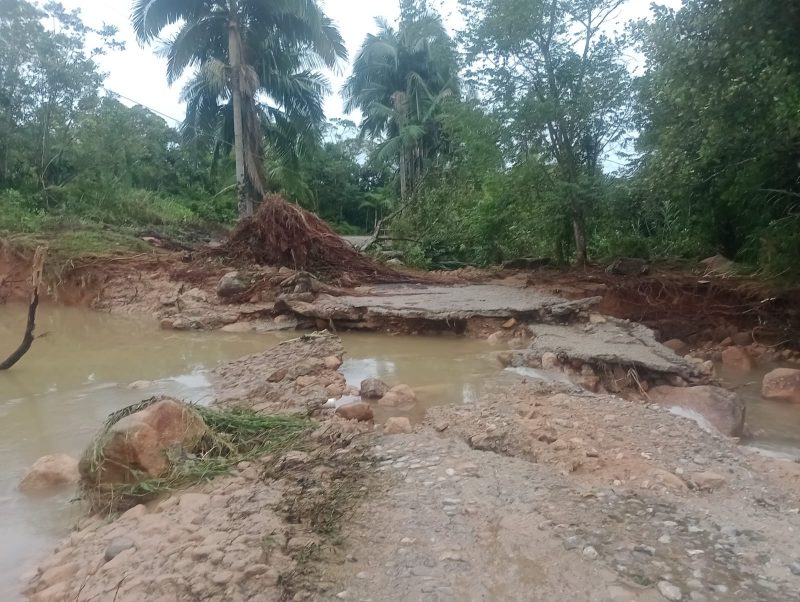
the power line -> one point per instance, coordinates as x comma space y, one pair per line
180, 122
151, 109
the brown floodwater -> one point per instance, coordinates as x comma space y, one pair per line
61, 392
775, 424
57, 397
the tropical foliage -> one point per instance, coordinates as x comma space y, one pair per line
254, 74
401, 79
542, 128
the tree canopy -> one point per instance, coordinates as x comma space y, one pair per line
540, 128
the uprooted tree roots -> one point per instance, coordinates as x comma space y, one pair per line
284, 234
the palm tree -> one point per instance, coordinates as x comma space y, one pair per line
255, 63
400, 78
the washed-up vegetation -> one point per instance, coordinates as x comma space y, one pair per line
234, 435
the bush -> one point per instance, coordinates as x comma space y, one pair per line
17, 213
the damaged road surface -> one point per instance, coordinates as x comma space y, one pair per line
374, 307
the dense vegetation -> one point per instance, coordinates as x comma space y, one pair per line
541, 129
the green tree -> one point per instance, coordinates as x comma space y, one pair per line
243, 50
399, 81
559, 83
720, 128
48, 78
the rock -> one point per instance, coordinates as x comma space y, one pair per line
706, 481
232, 284
742, 338
738, 358
221, 577
590, 383
399, 395
360, 411
496, 337
795, 568
395, 263
597, 319
278, 375
722, 409
510, 323
397, 425
193, 502
117, 546
505, 358
50, 473
677, 346
332, 362
628, 266
55, 593
590, 553
294, 458
336, 389
140, 384
59, 573
549, 361
239, 327
372, 388
669, 591
782, 383
137, 445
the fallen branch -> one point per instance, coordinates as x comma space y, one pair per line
36, 281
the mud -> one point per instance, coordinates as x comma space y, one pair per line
540, 489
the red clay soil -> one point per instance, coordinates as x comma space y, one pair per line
681, 304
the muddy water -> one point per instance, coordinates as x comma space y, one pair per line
57, 397
775, 424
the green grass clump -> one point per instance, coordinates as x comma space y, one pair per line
234, 435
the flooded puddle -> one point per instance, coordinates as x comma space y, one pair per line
775, 424
59, 395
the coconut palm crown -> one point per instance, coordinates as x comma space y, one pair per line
255, 73
399, 81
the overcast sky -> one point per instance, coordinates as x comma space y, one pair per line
138, 74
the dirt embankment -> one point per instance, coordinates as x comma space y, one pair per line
181, 288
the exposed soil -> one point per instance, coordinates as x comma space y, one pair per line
538, 491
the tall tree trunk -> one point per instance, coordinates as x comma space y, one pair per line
403, 175
579, 230
235, 57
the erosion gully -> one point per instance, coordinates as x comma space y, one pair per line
82, 367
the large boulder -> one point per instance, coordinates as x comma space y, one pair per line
722, 409
49, 474
399, 395
233, 284
782, 383
372, 388
139, 446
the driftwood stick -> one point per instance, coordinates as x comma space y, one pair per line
36, 281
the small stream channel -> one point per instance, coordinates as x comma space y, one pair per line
59, 395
